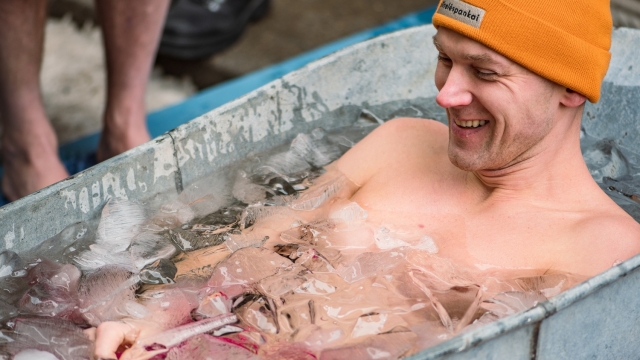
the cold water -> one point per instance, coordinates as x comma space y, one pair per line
266, 259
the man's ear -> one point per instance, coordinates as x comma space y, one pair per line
572, 99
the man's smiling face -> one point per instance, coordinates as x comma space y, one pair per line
499, 112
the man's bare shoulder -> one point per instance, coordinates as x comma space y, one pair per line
607, 237
397, 142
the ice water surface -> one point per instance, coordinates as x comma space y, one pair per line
213, 275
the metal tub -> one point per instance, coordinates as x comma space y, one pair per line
598, 319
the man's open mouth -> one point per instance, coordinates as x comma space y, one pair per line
470, 123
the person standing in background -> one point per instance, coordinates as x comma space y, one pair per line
29, 148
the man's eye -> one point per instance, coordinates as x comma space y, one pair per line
443, 59
485, 74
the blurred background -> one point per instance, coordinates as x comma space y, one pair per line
73, 71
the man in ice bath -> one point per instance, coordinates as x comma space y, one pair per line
504, 185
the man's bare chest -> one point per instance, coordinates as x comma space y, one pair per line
484, 237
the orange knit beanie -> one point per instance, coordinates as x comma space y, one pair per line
564, 41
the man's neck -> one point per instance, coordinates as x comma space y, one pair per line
555, 171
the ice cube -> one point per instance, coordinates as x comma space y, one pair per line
207, 195
236, 242
31, 354
348, 214
67, 244
246, 191
53, 292
162, 271
314, 198
190, 239
369, 264
104, 293
315, 148
548, 285
149, 247
120, 222
383, 346
55, 336
9, 263
243, 267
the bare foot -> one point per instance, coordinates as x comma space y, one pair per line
30, 163
121, 134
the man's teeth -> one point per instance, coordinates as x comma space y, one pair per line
471, 123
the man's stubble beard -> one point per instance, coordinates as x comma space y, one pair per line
491, 156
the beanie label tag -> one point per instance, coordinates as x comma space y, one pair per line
463, 12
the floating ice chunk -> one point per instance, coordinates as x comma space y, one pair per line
207, 195
315, 148
162, 271
349, 214
257, 311
53, 290
314, 198
342, 140
369, 264
257, 213
170, 306
319, 337
171, 215
120, 222
199, 236
236, 242
369, 325
445, 318
32, 354
427, 243
281, 283
242, 267
9, 263
385, 240
315, 287
383, 346
136, 310
548, 285
67, 244
104, 293
149, 247
98, 256
289, 165
388, 239
56, 336
246, 191
214, 305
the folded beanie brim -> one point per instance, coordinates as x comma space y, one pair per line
543, 48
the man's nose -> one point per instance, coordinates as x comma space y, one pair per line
455, 91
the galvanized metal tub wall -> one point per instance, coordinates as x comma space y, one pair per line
597, 319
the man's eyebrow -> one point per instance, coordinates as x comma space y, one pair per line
486, 58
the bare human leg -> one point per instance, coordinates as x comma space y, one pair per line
29, 146
131, 32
